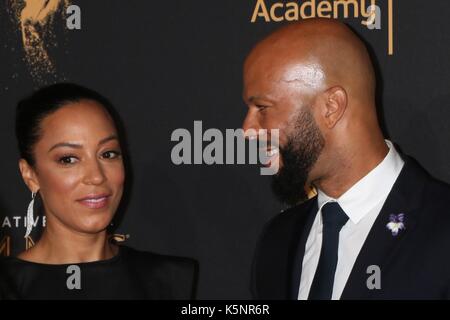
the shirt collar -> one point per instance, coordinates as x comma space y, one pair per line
370, 190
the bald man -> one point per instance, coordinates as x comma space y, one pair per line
379, 227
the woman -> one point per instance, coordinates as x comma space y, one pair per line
71, 148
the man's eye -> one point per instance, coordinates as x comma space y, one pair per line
67, 160
261, 107
111, 154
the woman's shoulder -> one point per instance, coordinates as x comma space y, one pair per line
8, 269
180, 267
180, 274
8, 263
148, 257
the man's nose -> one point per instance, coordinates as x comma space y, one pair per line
250, 125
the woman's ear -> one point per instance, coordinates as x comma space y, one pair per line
336, 104
29, 176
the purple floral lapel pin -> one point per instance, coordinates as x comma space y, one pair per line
396, 223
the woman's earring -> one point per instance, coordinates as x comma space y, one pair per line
30, 217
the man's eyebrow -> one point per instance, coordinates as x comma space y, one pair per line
267, 99
253, 98
79, 146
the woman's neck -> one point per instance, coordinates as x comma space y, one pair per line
58, 246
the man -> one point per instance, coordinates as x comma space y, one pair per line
379, 227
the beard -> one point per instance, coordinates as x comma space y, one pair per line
302, 149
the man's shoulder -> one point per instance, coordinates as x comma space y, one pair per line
435, 201
427, 198
434, 191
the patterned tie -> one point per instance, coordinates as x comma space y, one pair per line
334, 218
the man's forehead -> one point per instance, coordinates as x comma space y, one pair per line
302, 76
307, 75
260, 86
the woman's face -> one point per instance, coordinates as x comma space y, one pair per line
79, 168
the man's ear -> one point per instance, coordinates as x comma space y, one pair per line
29, 176
335, 105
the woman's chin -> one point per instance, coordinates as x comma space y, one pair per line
93, 227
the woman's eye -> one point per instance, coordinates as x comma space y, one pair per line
67, 160
111, 154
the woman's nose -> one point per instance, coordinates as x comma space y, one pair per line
94, 173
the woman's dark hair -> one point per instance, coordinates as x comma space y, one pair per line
32, 110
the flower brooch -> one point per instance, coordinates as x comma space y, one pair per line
396, 223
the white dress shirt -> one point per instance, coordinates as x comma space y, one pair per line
362, 203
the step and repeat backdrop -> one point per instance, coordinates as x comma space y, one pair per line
169, 65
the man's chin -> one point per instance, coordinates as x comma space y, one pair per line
288, 191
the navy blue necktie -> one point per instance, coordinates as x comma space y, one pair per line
334, 218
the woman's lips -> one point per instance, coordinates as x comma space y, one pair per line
96, 202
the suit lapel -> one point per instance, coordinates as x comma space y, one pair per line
297, 250
381, 245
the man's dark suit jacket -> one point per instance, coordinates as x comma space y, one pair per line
415, 264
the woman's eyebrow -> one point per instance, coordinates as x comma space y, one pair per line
79, 146
111, 137
66, 144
